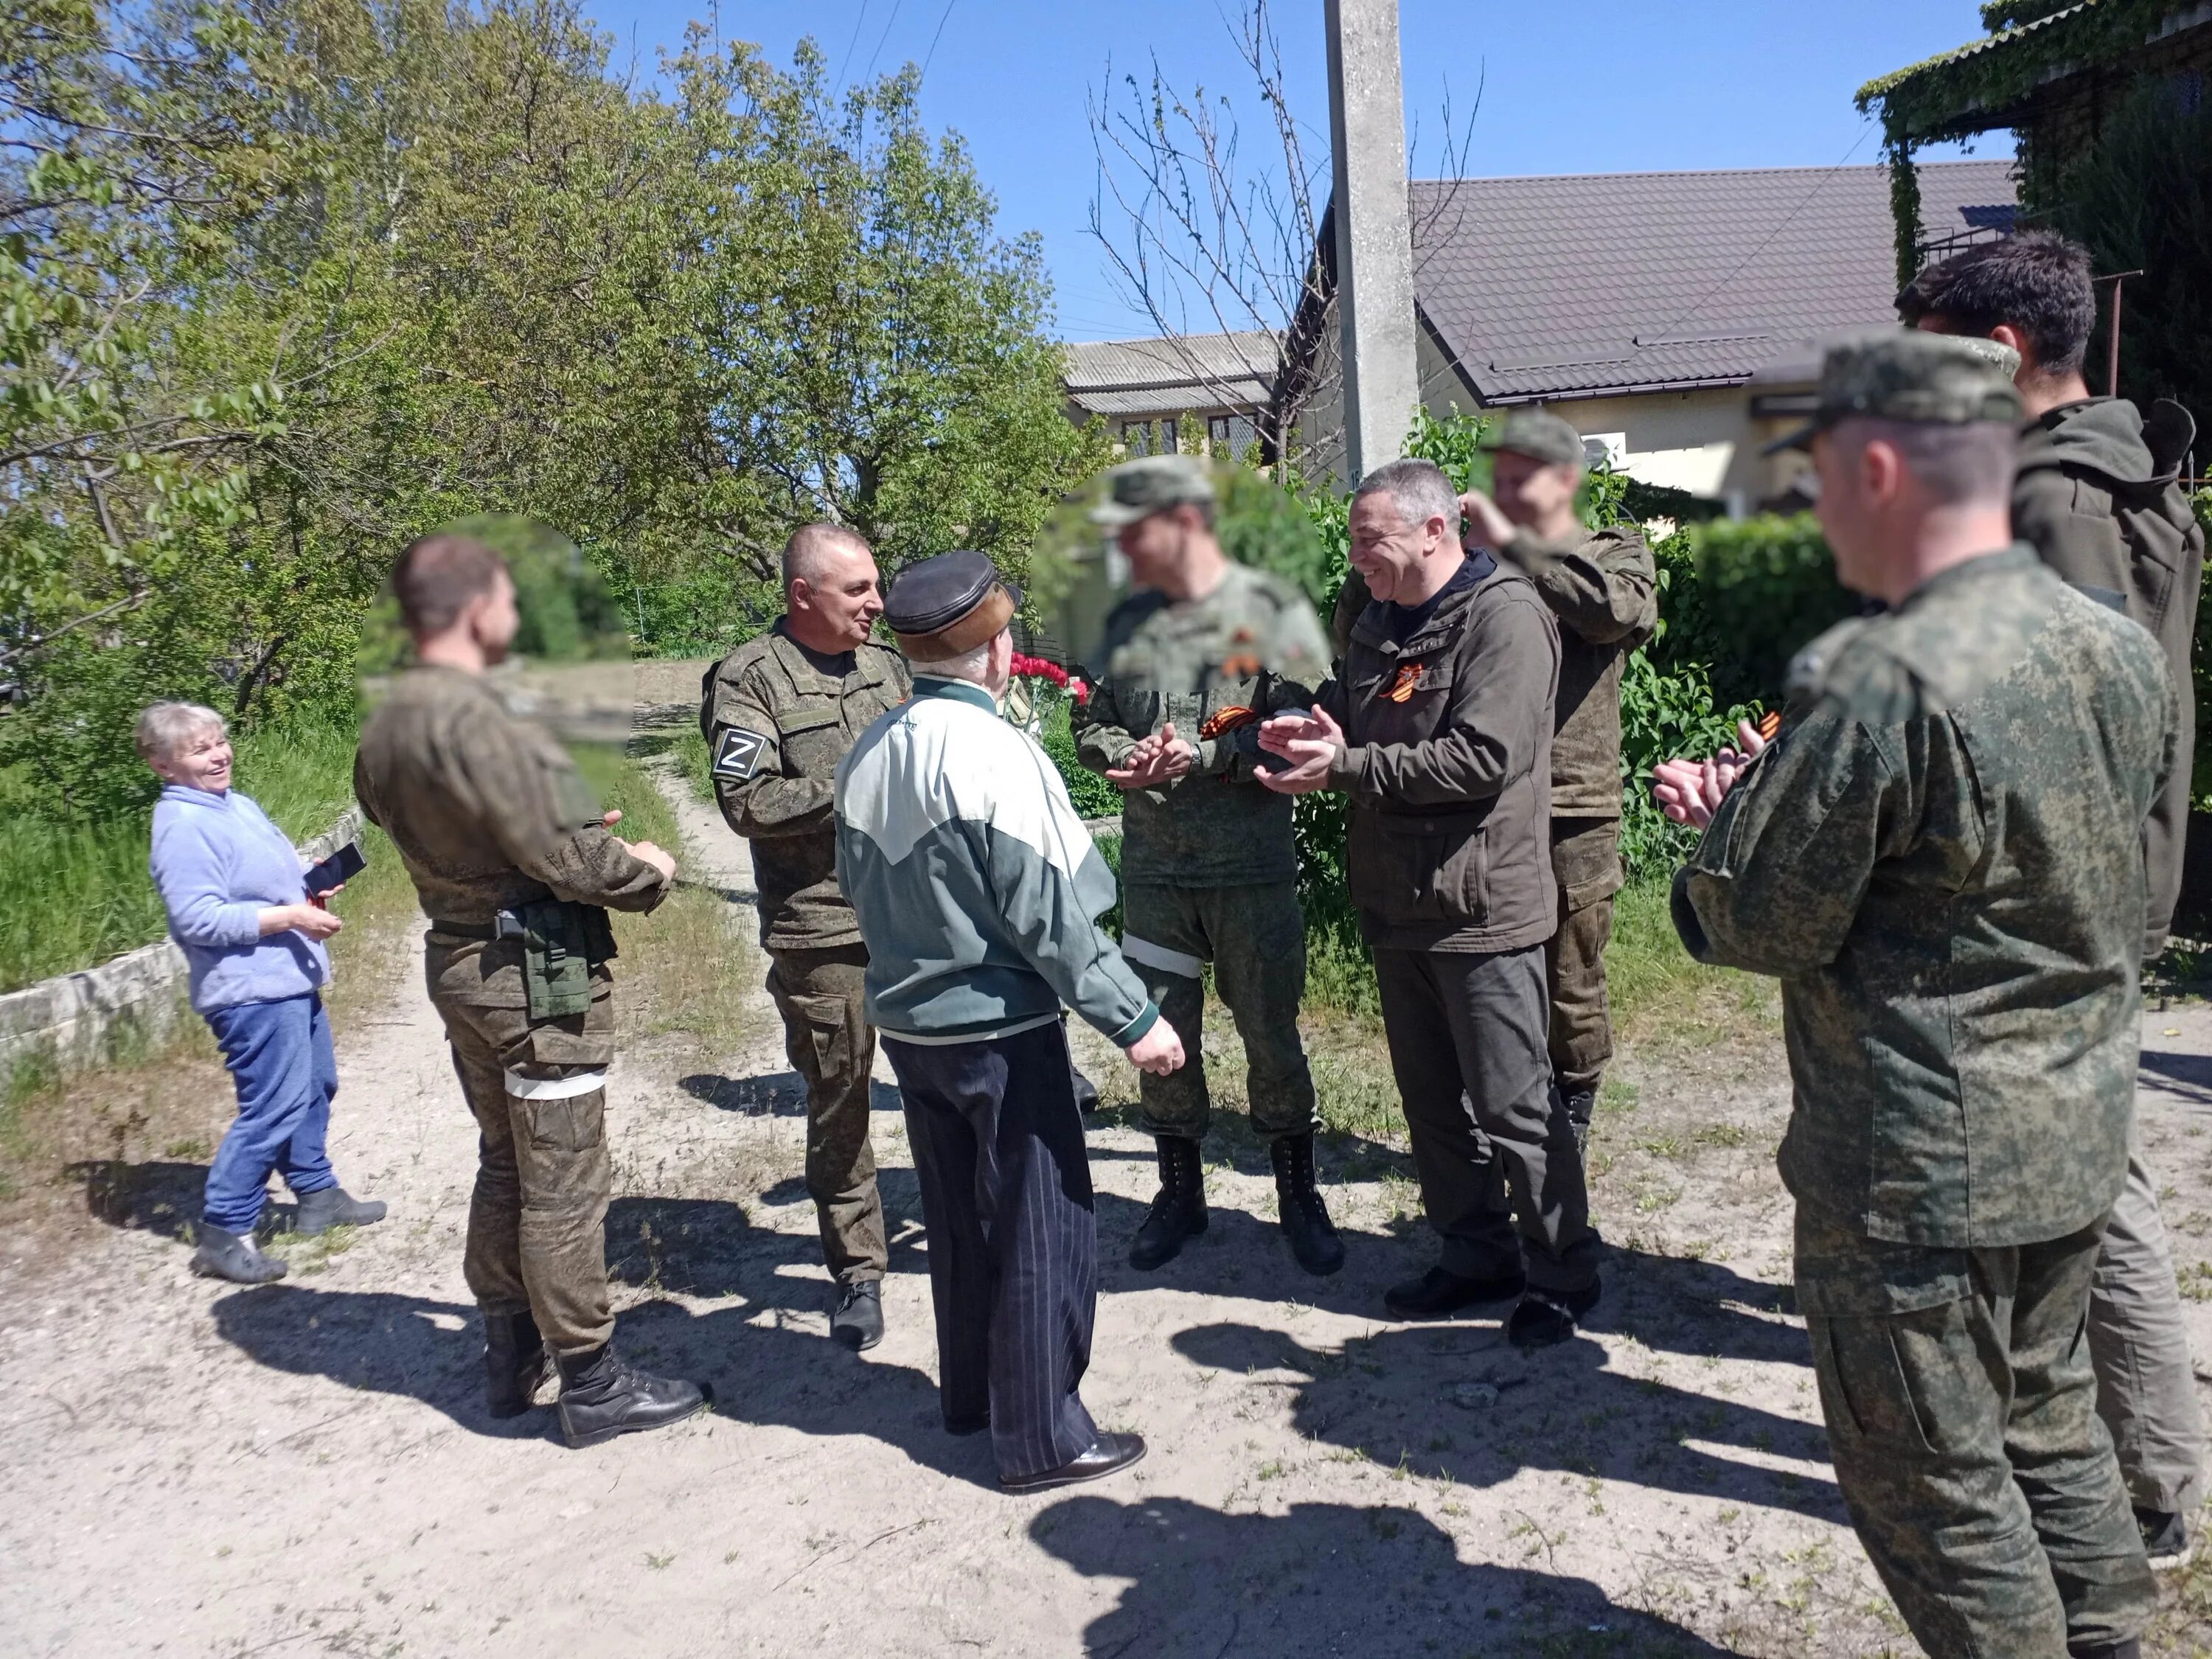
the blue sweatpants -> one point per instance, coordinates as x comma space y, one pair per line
286, 1072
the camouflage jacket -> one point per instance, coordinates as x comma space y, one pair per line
777, 719
487, 811
2099, 496
1214, 666
1604, 589
1940, 857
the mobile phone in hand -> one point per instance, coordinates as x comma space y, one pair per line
334, 872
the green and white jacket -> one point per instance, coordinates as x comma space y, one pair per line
976, 885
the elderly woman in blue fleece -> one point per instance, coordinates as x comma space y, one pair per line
238, 908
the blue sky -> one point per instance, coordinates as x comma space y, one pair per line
1602, 86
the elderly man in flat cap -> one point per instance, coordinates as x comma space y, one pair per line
977, 887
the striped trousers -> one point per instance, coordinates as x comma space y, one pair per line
1013, 1239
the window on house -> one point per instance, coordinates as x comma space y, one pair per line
1234, 433
1148, 437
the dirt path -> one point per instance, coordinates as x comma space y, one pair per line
306, 1468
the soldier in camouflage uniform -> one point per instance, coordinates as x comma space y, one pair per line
779, 714
1193, 661
514, 867
1940, 857
2099, 496
1604, 589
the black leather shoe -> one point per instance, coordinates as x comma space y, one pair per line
1112, 1452
334, 1207
859, 1321
1086, 1091
2131, 1648
1544, 1318
225, 1256
1439, 1293
601, 1397
966, 1425
515, 1363
1306, 1225
1178, 1210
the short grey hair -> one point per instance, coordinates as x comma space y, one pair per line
807, 554
974, 666
1418, 488
165, 727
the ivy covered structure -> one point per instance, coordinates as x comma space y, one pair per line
2056, 73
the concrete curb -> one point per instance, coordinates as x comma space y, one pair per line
73, 1020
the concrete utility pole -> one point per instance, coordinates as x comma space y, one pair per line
1374, 236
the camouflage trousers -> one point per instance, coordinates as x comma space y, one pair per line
830, 1044
1962, 1420
536, 1237
1255, 938
1586, 863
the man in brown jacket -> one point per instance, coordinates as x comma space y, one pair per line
1440, 729
2099, 496
514, 866
779, 712
1603, 588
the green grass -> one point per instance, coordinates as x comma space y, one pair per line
74, 894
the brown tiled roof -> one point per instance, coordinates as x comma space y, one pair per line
1168, 376
1598, 283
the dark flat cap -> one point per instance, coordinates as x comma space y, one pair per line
951, 604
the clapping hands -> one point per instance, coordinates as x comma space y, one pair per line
1160, 758
1690, 792
1310, 741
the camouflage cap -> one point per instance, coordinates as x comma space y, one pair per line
1542, 436
1153, 483
1904, 374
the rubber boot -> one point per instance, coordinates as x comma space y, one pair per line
334, 1207
228, 1255
1312, 1236
514, 1363
601, 1397
1178, 1208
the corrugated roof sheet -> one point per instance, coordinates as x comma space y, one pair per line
1608, 283
1143, 377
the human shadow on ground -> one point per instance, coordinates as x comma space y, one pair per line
763, 1369
2186, 1078
1460, 1403
1326, 1579
707, 1247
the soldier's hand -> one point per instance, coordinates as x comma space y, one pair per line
645, 853
1690, 792
1486, 527
1159, 759
611, 818
1159, 1051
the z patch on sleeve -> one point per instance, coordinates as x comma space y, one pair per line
736, 753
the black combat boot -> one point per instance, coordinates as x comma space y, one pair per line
228, 1255
334, 1207
1178, 1208
514, 1363
1543, 1319
2131, 1648
1305, 1218
601, 1397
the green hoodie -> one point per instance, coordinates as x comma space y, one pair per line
2099, 496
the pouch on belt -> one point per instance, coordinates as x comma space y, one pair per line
561, 942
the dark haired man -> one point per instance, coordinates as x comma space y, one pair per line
779, 712
2098, 497
513, 865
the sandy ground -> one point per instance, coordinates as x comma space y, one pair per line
306, 1467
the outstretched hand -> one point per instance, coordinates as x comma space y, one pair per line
1310, 741
1159, 759
1690, 792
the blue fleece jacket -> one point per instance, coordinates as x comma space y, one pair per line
219, 862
